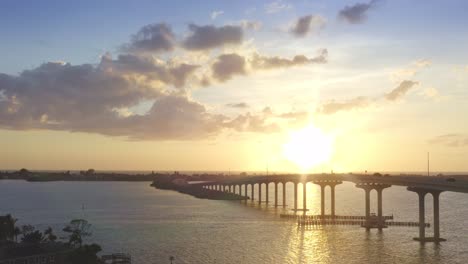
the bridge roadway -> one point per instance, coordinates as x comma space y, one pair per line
421, 185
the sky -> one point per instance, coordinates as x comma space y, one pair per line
297, 86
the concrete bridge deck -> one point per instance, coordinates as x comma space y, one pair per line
421, 185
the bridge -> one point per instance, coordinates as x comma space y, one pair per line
421, 185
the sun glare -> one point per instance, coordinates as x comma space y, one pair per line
308, 148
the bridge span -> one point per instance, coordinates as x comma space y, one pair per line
421, 185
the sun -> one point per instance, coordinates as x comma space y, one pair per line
308, 148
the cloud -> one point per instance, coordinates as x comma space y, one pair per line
149, 68
63, 96
266, 121
263, 62
307, 24
101, 98
356, 13
174, 117
90, 99
209, 37
228, 65
450, 140
277, 6
400, 91
359, 102
152, 38
411, 70
250, 25
216, 14
333, 107
238, 105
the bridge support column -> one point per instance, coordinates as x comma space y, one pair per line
367, 190
304, 194
379, 207
267, 184
323, 184
422, 211
276, 194
422, 225
230, 188
252, 192
373, 221
284, 194
322, 200
332, 193
295, 196
436, 216
259, 193
245, 191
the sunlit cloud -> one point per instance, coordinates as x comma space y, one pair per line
216, 14
277, 6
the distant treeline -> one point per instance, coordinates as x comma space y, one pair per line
92, 175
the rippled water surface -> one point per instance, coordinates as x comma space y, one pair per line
153, 224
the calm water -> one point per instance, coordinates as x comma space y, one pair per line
153, 224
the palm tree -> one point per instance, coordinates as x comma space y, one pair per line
16, 233
7, 227
171, 258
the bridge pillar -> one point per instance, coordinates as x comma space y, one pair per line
435, 196
276, 194
267, 184
367, 190
322, 200
323, 184
259, 193
245, 190
374, 221
284, 194
304, 194
332, 193
422, 225
252, 191
295, 196
230, 188
422, 210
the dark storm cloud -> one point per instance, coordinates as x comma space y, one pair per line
307, 24
152, 38
208, 37
356, 13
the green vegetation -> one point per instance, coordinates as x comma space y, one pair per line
35, 242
